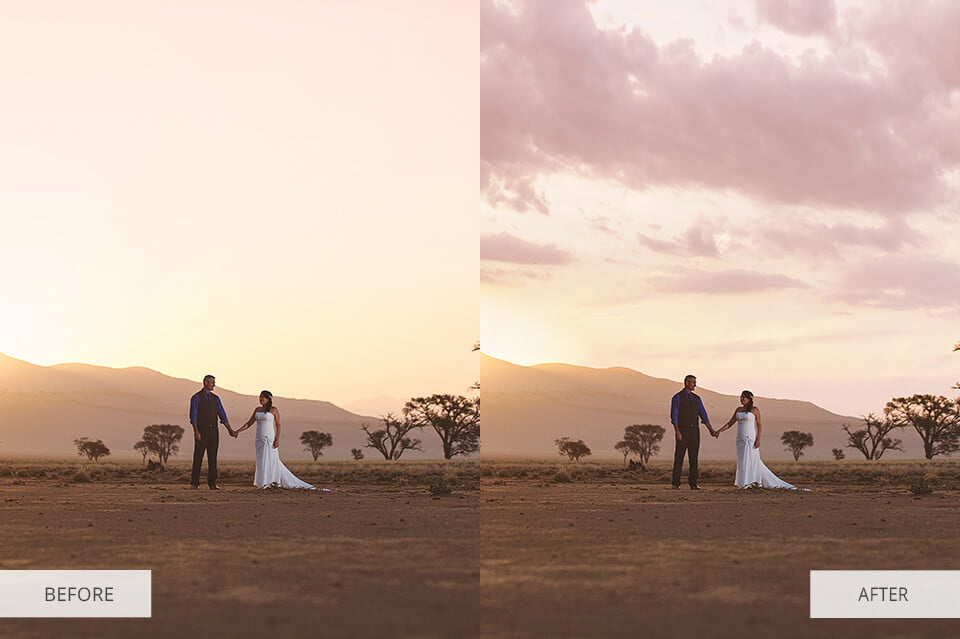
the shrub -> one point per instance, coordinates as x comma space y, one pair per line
562, 476
920, 487
440, 487
81, 476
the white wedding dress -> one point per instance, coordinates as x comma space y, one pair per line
751, 470
270, 470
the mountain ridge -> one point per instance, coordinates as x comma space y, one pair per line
525, 408
47, 407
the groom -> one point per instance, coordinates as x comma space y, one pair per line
205, 409
686, 411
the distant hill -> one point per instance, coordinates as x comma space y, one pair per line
45, 408
525, 408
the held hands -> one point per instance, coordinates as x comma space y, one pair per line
276, 443
756, 444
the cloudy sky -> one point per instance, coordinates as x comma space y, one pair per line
282, 194
763, 193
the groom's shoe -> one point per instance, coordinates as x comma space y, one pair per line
192, 487
673, 487
695, 488
214, 487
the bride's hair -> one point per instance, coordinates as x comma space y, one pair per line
749, 397
269, 397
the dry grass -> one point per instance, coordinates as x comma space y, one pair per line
458, 475
937, 474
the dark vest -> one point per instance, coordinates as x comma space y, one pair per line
207, 414
689, 410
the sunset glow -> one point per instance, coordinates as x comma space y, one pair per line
282, 195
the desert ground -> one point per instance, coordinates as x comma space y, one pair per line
588, 550
391, 552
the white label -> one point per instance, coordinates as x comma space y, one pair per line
884, 594
75, 593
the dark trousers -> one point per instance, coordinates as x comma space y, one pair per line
689, 445
209, 443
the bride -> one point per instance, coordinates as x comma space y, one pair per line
751, 471
270, 470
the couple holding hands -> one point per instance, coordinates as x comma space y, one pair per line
686, 413
206, 410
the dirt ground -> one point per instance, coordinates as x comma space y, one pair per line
606, 559
362, 561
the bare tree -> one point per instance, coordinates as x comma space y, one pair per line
935, 418
795, 442
93, 450
392, 440
455, 418
314, 441
872, 440
572, 449
163, 440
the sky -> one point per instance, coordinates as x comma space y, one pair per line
765, 194
280, 194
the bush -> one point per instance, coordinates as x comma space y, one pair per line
440, 487
562, 476
920, 487
81, 476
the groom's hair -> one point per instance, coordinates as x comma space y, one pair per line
689, 377
206, 377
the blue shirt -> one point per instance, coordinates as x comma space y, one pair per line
195, 406
675, 407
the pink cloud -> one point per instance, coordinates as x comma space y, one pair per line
802, 17
799, 236
509, 277
918, 40
697, 241
504, 247
901, 282
557, 92
724, 282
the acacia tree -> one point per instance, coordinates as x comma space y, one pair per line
391, 440
93, 450
572, 449
795, 442
935, 418
314, 442
357, 453
163, 440
956, 347
476, 347
624, 449
872, 440
644, 440
838, 453
141, 447
455, 418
